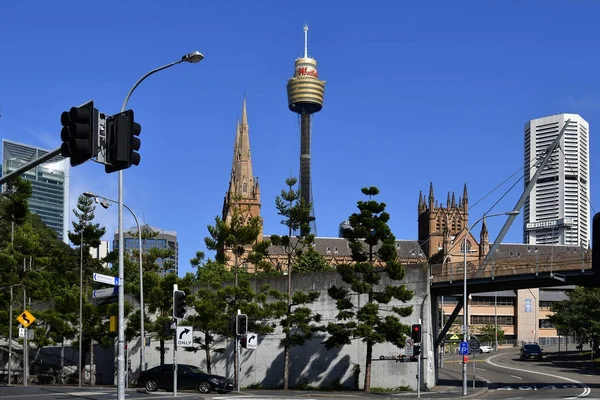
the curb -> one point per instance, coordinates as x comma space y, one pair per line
482, 391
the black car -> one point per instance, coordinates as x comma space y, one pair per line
188, 377
531, 350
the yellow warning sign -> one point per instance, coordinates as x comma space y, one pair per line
454, 337
26, 318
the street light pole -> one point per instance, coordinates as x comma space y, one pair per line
80, 306
465, 299
193, 57
140, 249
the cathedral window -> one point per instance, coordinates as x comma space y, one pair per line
462, 247
244, 188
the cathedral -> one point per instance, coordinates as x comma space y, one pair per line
441, 230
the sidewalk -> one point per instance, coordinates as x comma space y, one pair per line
450, 384
574, 360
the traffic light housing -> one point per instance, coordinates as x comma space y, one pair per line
415, 333
79, 133
241, 324
416, 350
122, 141
179, 304
244, 342
596, 244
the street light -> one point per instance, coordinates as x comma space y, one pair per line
465, 301
193, 57
105, 203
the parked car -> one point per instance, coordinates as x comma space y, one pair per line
531, 350
485, 349
188, 377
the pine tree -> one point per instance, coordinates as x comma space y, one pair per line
297, 318
371, 242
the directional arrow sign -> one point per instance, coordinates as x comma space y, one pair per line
105, 292
109, 280
251, 340
185, 336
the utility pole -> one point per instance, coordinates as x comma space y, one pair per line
25, 346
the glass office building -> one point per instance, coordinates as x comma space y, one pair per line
50, 184
163, 240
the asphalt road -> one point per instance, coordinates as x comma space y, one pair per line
510, 378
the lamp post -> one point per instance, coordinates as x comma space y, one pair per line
193, 57
465, 300
105, 204
80, 306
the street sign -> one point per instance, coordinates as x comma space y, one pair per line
185, 336
464, 348
109, 280
409, 351
251, 340
105, 292
409, 342
25, 318
474, 344
21, 332
454, 337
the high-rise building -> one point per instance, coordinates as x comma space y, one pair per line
305, 93
162, 240
557, 210
50, 184
100, 252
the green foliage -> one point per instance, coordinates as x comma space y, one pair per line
235, 234
298, 322
371, 241
487, 333
579, 314
92, 233
310, 261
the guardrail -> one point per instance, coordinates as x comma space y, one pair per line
510, 266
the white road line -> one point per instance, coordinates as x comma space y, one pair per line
518, 377
480, 369
586, 388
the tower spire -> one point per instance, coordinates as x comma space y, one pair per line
305, 41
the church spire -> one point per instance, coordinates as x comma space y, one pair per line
242, 180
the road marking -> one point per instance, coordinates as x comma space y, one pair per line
481, 369
586, 388
518, 377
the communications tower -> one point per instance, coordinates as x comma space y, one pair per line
305, 97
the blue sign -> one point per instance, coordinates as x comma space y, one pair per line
464, 348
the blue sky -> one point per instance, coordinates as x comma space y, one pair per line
416, 92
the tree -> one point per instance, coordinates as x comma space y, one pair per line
487, 333
86, 234
296, 321
370, 240
579, 314
238, 234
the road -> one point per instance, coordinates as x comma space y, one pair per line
510, 378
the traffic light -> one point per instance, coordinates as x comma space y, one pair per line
79, 133
122, 142
244, 342
416, 350
596, 243
179, 304
415, 333
241, 324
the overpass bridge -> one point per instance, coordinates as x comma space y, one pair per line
513, 266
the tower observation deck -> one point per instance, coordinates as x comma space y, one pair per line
305, 97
